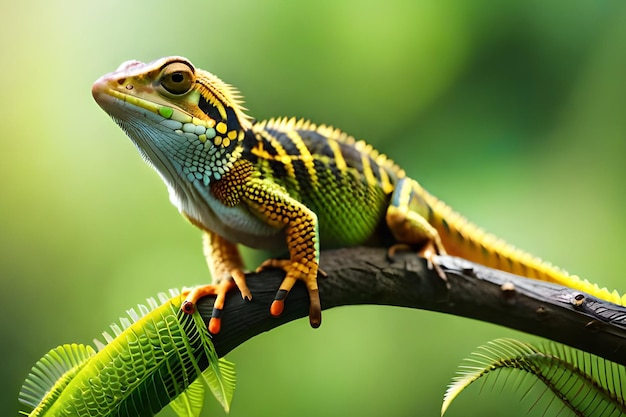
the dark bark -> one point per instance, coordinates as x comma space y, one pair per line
367, 276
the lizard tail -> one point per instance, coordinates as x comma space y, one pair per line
463, 238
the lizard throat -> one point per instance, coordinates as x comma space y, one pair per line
186, 164
180, 147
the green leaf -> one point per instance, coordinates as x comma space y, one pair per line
220, 376
586, 384
222, 382
191, 401
53, 372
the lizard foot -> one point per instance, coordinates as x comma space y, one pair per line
397, 247
219, 290
428, 251
296, 271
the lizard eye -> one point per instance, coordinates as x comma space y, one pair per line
177, 78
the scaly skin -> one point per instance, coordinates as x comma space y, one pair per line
284, 184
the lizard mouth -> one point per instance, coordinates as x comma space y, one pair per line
178, 126
104, 92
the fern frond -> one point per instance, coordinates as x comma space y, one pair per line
220, 375
155, 356
587, 384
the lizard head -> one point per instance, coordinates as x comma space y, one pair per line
187, 123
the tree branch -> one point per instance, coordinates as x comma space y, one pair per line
367, 276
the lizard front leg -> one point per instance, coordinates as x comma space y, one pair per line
276, 207
225, 265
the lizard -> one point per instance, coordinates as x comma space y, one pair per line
285, 184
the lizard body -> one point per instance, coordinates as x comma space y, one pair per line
284, 184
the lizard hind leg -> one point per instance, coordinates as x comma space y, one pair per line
407, 218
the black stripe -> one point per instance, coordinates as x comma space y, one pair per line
375, 170
273, 132
209, 109
281, 295
267, 144
250, 140
302, 175
316, 143
288, 144
232, 123
351, 156
278, 169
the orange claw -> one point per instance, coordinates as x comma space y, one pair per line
278, 305
219, 290
296, 271
215, 324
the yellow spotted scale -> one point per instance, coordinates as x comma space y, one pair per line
157, 356
285, 184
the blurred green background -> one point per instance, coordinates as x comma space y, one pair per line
512, 112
